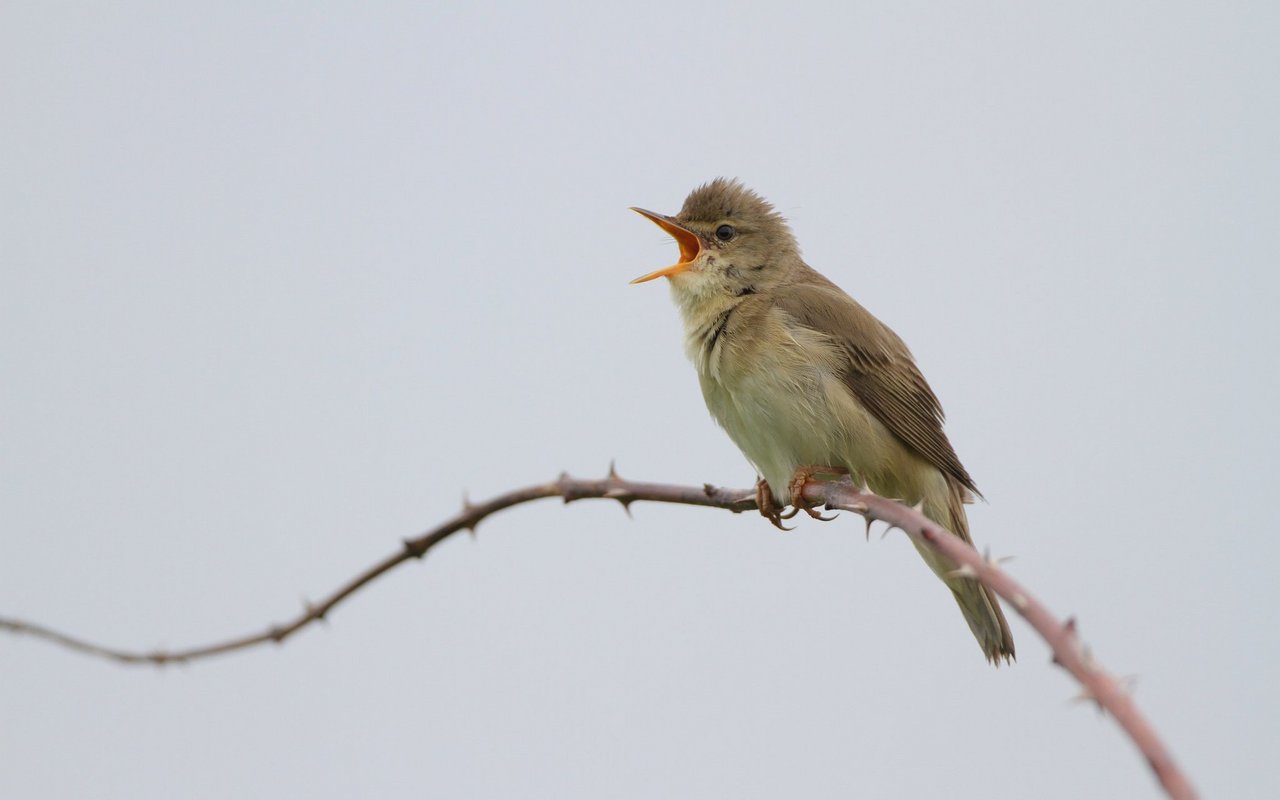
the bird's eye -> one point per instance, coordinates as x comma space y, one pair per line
725, 232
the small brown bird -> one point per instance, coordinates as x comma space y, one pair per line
807, 382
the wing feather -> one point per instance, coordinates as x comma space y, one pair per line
880, 370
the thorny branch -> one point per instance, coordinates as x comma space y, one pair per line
1069, 652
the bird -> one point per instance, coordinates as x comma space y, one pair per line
808, 384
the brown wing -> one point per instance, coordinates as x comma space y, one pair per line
880, 370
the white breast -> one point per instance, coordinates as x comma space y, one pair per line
778, 393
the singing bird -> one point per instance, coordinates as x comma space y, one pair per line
807, 382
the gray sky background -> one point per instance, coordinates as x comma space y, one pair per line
278, 284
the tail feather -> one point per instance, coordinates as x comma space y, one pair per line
978, 603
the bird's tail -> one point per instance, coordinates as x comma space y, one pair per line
977, 602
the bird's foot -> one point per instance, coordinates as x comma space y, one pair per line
769, 509
802, 476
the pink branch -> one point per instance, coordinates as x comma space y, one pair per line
1069, 653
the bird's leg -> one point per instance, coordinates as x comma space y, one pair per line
803, 475
769, 509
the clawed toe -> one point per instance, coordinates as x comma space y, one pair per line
818, 515
802, 476
769, 509
776, 518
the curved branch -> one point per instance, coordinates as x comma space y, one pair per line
1068, 651
611, 487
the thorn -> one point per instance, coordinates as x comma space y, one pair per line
1082, 650
276, 634
622, 496
708, 490
919, 507
868, 520
414, 548
468, 509
562, 486
889, 526
314, 613
992, 560
963, 571
1084, 696
613, 471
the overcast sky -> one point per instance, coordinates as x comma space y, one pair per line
278, 285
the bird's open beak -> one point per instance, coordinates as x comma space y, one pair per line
690, 246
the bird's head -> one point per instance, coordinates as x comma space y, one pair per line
731, 240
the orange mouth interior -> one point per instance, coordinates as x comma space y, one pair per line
689, 243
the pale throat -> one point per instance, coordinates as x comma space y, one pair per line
702, 294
